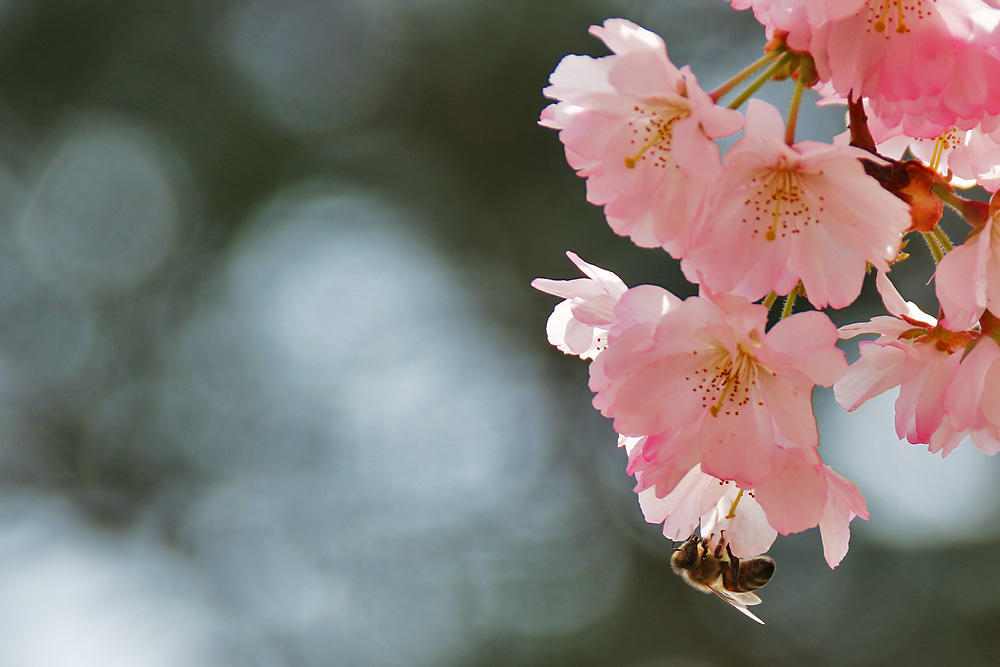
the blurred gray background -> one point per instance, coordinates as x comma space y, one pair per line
274, 390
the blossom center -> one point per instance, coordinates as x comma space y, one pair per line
778, 202
654, 133
882, 15
725, 383
945, 141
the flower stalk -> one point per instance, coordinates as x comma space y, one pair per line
722, 90
758, 83
934, 246
790, 301
806, 72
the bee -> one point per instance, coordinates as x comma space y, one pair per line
719, 571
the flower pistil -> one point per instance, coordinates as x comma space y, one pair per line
660, 126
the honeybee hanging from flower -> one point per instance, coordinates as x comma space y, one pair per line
719, 571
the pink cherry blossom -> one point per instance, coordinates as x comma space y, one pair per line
918, 62
785, 213
797, 17
798, 497
965, 158
708, 385
701, 499
803, 494
977, 158
967, 281
972, 400
844, 502
729, 403
579, 325
935, 151
641, 132
919, 356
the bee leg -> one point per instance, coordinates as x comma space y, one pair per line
722, 542
734, 563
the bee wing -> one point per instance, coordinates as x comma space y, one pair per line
739, 601
746, 598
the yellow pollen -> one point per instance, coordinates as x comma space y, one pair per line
901, 26
630, 162
714, 410
661, 126
941, 144
784, 190
737, 376
770, 235
732, 510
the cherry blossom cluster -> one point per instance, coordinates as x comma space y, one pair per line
713, 405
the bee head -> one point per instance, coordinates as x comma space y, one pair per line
687, 555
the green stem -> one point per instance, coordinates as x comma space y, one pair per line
719, 92
932, 245
761, 80
805, 72
942, 239
790, 301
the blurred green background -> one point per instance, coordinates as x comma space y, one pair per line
274, 390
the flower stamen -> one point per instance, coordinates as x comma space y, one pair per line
662, 125
630, 162
730, 381
732, 509
737, 374
786, 190
901, 27
941, 144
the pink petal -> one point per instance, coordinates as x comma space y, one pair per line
680, 511
739, 447
895, 304
748, 532
879, 369
622, 36
964, 396
808, 341
831, 273
789, 405
609, 281
794, 496
645, 303
655, 398
844, 502
960, 282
